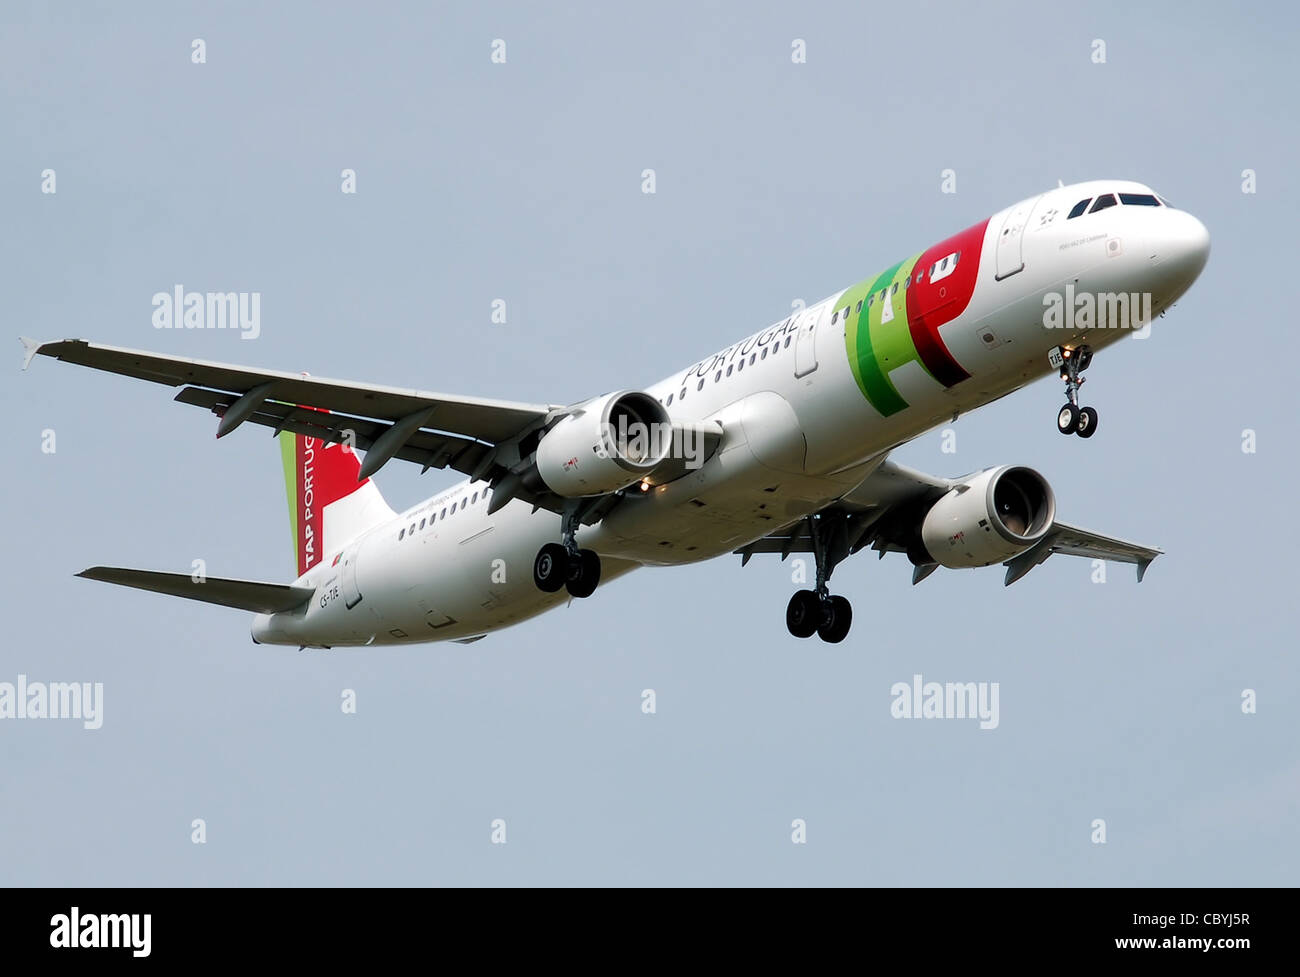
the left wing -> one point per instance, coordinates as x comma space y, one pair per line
882, 511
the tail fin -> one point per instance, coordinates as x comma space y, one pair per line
328, 507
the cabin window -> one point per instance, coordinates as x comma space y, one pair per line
670, 400
421, 523
700, 385
717, 376
907, 282
787, 342
752, 358
682, 395
835, 316
443, 514
741, 365
1104, 201
402, 534
894, 290
859, 305
729, 369
1078, 208
764, 356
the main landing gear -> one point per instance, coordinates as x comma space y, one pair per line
818, 611
564, 565
1073, 419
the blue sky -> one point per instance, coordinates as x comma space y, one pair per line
522, 181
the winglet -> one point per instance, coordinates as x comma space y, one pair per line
1142, 569
30, 348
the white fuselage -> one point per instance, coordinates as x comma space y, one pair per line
798, 433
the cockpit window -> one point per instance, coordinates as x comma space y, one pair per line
1104, 201
1139, 200
1078, 208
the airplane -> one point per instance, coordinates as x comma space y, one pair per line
777, 444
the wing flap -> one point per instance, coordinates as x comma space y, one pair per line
244, 595
431, 449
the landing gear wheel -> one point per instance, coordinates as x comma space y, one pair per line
1067, 420
1071, 419
551, 568
584, 574
803, 614
1087, 423
837, 620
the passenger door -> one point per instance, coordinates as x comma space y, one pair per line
1010, 253
805, 343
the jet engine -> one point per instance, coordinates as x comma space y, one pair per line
605, 445
989, 518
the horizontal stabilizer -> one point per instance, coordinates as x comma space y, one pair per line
246, 595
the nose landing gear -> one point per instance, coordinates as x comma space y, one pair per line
1073, 419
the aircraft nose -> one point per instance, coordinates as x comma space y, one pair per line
1183, 248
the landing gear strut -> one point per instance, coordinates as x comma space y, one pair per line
1073, 419
818, 611
562, 564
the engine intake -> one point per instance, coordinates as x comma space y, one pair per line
607, 444
989, 518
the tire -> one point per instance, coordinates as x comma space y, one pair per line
1087, 422
836, 629
584, 574
803, 614
551, 568
1067, 419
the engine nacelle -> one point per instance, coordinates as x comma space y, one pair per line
989, 518
607, 444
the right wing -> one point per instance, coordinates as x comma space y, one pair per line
473, 435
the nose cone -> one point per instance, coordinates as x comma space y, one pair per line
1182, 248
